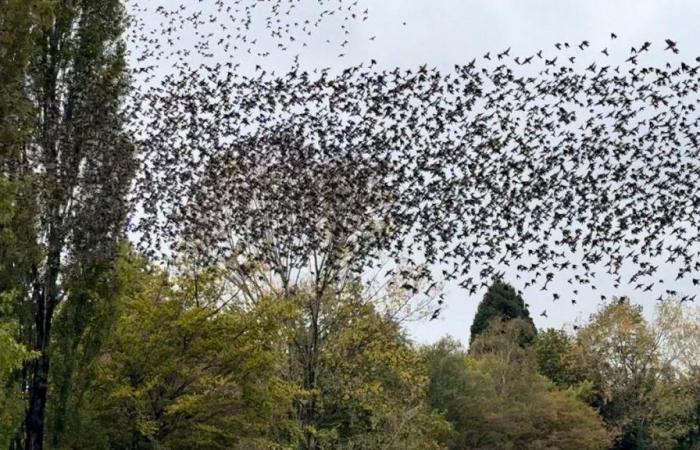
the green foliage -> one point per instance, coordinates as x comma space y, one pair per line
681, 411
455, 389
16, 256
644, 375
65, 169
175, 372
372, 385
618, 350
502, 302
82, 325
12, 355
557, 360
370, 389
20, 22
495, 398
176, 369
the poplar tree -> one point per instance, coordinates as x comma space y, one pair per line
68, 83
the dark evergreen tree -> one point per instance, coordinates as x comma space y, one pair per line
503, 302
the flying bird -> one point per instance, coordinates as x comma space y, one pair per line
671, 45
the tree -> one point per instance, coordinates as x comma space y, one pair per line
12, 356
677, 327
502, 302
371, 388
637, 374
620, 354
455, 390
182, 369
185, 365
18, 24
83, 323
681, 411
15, 259
641, 372
62, 107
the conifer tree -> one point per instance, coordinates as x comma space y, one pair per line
501, 301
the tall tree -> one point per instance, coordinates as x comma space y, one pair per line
501, 302
621, 356
75, 159
642, 372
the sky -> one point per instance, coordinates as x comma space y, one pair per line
441, 33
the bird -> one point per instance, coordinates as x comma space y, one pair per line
671, 45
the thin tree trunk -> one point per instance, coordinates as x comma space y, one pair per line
309, 413
45, 298
37, 403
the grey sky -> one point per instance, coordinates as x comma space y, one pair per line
446, 32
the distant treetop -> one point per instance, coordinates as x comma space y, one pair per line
501, 301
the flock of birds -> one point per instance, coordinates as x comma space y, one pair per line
165, 33
558, 162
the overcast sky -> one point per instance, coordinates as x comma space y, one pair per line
442, 33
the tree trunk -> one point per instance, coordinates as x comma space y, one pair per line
44, 298
37, 403
308, 410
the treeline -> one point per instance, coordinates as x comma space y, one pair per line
616, 381
262, 332
156, 359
